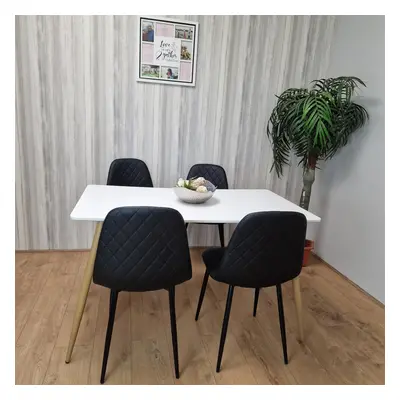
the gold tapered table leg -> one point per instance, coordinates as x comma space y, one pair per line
297, 300
87, 279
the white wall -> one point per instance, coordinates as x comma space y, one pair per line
349, 191
78, 106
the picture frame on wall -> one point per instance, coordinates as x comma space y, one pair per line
167, 51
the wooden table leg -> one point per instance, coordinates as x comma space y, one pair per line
297, 300
87, 279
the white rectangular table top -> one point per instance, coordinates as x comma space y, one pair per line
226, 206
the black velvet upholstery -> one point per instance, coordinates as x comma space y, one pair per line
266, 249
142, 249
129, 172
213, 173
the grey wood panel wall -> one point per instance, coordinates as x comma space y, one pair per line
78, 106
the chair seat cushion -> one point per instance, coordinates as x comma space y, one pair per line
212, 258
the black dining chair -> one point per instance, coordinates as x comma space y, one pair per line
216, 175
129, 172
266, 249
142, 249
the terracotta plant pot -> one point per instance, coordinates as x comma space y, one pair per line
307, 250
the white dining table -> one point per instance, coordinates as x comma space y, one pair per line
226, 206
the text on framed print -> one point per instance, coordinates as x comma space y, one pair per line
167, 51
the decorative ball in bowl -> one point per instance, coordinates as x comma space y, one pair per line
194, 190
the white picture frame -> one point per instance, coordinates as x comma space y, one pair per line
167, 51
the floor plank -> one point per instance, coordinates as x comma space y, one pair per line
37, 340
195, 366
362, 344
329, 350
151, 362
344, 330
261, 348
262, 355
59, 373
31, 275
234, 368
303, 365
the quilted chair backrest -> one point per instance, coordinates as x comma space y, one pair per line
213, 173
142, 249
266, 249
129, 172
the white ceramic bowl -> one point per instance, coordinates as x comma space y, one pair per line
193, 197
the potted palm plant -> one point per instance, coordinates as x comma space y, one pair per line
314, 123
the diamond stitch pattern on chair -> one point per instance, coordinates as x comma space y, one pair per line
129, 172
265, 249
213, 173
142, 249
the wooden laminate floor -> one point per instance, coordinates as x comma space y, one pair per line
344, 330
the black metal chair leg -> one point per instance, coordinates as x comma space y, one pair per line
171, 292
113, 306
202, 292
225, 326
221, 234
282, 322
256, 294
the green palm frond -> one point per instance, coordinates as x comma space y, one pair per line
348, 119
341, 88
314, 123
